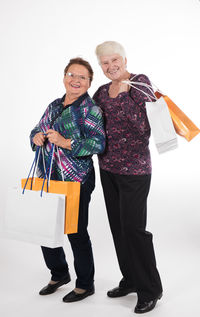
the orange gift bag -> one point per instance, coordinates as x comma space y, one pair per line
182, 124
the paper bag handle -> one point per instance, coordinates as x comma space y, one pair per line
50, 167
35, 165
133, 83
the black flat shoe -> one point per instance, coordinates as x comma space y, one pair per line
145, 307
74, 297
51, 288
120, 291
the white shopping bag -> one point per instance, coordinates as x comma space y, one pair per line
33, 218
161, 125
159, 118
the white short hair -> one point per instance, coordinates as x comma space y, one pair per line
109, 48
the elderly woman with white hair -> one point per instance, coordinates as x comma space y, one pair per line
125, 170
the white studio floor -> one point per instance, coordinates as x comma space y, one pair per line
176, 242
22, 277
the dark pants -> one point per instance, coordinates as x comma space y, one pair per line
80, 244
126, 199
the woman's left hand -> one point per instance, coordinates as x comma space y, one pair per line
123, 87
57, 139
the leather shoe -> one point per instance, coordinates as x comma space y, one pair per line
51, 288
74, 297
144, 307
120, 291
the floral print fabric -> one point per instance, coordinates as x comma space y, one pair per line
127, 130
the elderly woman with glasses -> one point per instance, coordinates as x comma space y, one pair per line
125, 170
73, 123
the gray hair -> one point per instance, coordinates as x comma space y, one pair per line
109, 48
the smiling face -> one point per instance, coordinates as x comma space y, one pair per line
113, 66
76, 80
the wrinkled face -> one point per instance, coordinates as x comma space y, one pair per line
113, 66
76, 80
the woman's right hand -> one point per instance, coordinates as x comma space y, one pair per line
39, 139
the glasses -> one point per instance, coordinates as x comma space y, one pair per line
80, 77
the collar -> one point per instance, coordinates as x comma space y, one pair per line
77, 102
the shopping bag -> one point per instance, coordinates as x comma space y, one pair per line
161, 125
34, 218
159, 118
71, 190
183, 125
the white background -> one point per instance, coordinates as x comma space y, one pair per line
162, 40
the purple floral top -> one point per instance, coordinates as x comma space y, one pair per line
127, 130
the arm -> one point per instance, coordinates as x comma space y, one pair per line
134, 104
138, 95
93, 139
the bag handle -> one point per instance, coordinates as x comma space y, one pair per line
35, 165
61, 168
48, 178
133, 83
51, 163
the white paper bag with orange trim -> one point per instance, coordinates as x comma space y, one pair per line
159, 118
162, 126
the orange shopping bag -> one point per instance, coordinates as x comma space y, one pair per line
182, 124
72, 192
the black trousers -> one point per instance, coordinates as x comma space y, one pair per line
126, 203
80, 244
